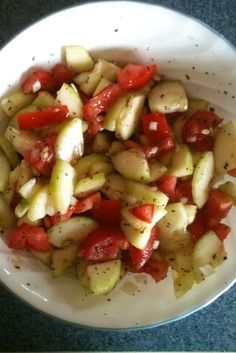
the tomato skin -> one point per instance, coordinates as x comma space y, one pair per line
165, 145
221, 230
198, 227
130, 144
218, 204
18, 239
87, 203
46, 117
93, 128
143, 212
38, 239
199, 125
161, 130
42, 76
184, 188
135, 76
61, 74
167, 184
103, 244
101, 102
232, 172
155, 268
35, 157
140, 257
107, 212
204, 145
58, 217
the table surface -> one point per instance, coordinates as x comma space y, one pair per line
25, 329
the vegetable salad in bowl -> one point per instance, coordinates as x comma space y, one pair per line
107, 170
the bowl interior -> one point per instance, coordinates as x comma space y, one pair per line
183, 49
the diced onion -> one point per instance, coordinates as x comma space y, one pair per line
153, 125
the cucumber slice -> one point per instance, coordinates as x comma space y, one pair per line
67, 95
114, 113
89, 185
63, 260
136, 193
156, 170
10, 190
104, 276
9, 152
25, 219
133, 221
101, 167
38, 204
101, 142
22, 208
78, 59
21, 140
4, 121
84, 165
229, 188
89, 81
115, 147
7, 217
81, 272
182, 282
225, 149
4, 172
129, 118
25, 174
168, 97
26, 190
114, 187
132, 164
44, 257
62, 185
15, 102
74, 230
182, 162
191, 211
44, 100
206, 249
103, 83
70, 142
202, 176
14, 121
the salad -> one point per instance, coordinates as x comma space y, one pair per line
108, 169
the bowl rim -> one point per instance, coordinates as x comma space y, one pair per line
187, 312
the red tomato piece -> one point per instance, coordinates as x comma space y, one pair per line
39, 80
218, 204
38, 239
184, 189
221, 230
61, 74
42, 156
93, 128
155, 127
62, 217
155, 268
198, 227
165, 145
167, 184
46, 117
135, 76
103, 244
107, 212
232, 172
140, 257
101, 102
200, 125
18, 239
87, 203
143, 212
204, 145
130, 144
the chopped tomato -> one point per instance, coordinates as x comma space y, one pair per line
135, 76
184, 188
232, 172
143, 212
221, 230
103, 244
160, 148
27, 236
155, 127
101, 102
199, 126
46, 117
18, 239
58, 217
39, 80
167, 184
38, 239
130, 144
155, 268
107, 212
42, 156
140, 257
93, 128
218, 204
61, 74
198, 227
87, 203
204, 145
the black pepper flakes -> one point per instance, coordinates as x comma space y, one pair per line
17, 267
116, 30
187, 76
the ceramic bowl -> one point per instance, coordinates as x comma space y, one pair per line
183, 48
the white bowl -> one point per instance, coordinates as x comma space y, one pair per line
183, 48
